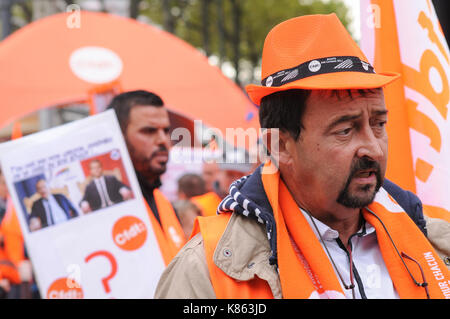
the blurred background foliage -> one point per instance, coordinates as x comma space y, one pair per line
233, 30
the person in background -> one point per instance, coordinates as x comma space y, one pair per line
16, 275
187, 212
210, 170
219, 177
5, 286
190, 185
145, 125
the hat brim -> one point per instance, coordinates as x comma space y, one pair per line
329, 81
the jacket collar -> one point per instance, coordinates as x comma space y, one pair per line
248, 198
244, 250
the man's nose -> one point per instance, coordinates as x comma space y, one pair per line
163, 138
370, 146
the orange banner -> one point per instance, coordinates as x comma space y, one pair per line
406, 37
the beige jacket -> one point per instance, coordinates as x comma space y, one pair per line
242, 252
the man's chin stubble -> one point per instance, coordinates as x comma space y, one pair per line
351, 200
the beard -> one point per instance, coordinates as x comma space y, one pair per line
145, 164
353, 200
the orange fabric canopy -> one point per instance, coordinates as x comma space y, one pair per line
50, 62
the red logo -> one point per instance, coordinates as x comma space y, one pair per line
64, 288
129, 233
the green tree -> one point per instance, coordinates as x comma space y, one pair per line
233, 30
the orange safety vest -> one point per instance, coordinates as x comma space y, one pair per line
207, 203
225, 287
12, 252
169, 234
7, 269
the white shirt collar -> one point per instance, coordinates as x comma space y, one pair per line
329, 233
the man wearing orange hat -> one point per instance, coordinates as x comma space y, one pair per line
317, 220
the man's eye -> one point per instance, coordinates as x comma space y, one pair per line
344, 132
380, 124
148, 130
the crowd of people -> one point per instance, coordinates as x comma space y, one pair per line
145, 124
16, 274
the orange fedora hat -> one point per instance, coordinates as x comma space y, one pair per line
314, 52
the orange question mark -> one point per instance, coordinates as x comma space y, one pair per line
112, 260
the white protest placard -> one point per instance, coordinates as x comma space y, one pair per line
80, 207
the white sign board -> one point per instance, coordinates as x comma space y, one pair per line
80, 208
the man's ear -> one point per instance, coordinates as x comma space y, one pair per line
279, 145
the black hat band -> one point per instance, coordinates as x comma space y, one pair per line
316, 67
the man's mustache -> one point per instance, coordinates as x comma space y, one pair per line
360, 165
364, 164
161, 149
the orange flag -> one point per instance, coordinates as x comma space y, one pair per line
406, 37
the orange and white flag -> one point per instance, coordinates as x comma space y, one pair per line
406, 37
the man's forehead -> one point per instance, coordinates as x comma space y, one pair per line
347, 95
334, 102
148, 114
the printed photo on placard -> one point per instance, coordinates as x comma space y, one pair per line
73, 189
106, 182
44, 205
